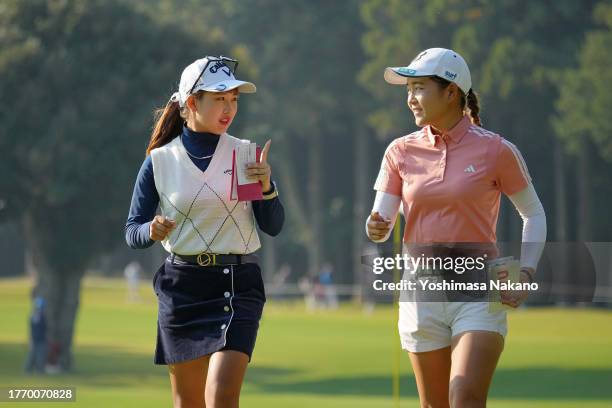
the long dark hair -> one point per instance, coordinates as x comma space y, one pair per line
169, 122
469, 103
168, 125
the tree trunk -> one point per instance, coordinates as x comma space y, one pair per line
314, 204
560, 194
584, 279
296, 213
269, 261
562, 273
360, 213
584, 193
61, 291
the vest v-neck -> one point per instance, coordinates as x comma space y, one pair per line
214, 161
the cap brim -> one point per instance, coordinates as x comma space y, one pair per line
225, 86
400, 75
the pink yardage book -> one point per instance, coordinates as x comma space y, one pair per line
242, 189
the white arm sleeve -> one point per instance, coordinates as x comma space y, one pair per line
387, 206
530, 208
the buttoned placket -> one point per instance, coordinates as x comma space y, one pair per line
229, 296
441, 141
226, 308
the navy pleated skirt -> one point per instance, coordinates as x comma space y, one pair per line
203, 309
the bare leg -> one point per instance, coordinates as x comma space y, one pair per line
474, 358
432, 372
188, 380
225, 375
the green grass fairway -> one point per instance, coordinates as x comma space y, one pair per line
343, 358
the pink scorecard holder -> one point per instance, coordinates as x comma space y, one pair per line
243, 189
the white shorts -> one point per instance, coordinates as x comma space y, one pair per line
427, 326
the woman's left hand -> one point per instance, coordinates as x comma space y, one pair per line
514, 298
261, 171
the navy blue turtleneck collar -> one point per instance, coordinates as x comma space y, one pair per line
199, 143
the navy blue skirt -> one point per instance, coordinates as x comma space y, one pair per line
204, 309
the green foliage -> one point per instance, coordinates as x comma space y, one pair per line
515, 51
80, 79
585, 102
307, 55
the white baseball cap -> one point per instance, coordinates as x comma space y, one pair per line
440, 62
211, 74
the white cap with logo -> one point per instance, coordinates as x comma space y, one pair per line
211, 74
440, 62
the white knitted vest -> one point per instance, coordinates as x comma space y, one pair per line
206, 219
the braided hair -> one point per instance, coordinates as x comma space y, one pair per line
469, 103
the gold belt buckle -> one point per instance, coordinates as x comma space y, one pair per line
205, 259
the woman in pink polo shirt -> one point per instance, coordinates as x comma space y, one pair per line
449, 176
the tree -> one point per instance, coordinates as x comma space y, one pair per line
583, 122
516, 52
307, 60
80, 80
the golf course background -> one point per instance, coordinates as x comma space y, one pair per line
554, 357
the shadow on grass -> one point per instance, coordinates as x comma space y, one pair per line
104, 366
538, 383
97, 366
371, 386
93, 366
552, 383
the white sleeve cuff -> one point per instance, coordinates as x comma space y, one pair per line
387, 205
532, 212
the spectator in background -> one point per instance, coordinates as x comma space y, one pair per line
38, 337
132, 273
330, 295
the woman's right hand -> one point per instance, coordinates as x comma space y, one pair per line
378, 227
160, 227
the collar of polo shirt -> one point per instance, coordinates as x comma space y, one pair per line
455, 134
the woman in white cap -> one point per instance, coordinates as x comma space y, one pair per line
210, 289
449, 176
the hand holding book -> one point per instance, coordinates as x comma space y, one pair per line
251, 172
261, 170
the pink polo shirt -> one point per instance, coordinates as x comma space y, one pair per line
450, 184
